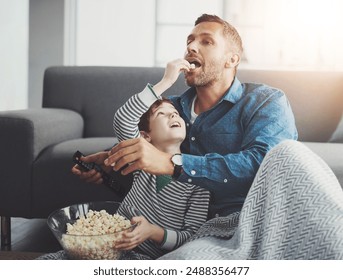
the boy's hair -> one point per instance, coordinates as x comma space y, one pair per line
144, 123
229, 31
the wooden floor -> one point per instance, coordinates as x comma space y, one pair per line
32, 235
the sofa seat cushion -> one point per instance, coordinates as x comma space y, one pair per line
332, 154
55, 186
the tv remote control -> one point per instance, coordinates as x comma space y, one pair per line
108, 180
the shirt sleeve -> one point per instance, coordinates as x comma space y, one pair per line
267, 124
127, 117
195, 216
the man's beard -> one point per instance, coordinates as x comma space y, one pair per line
208, 76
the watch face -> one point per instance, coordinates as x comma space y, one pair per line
177, 159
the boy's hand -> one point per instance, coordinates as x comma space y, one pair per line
92, 176
174, 68
143, 231
171, 74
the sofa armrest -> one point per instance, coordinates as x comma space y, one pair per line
37, 129
24, 134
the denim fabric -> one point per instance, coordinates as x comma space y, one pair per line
225, 145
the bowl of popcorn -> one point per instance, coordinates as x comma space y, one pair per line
91, 230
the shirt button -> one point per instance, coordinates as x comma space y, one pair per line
193, 172
187, 124
193, 138
189, 180
225, 180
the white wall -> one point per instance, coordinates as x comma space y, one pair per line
277, 34
174, 21
115, 32
299, 35
14, 54
134, 32
46, 43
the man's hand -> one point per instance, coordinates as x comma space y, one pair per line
139, 154
92, 176
143, 231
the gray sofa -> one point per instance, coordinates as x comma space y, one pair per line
36, 145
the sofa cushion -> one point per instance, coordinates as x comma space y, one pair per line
337, 136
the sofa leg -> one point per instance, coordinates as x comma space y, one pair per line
5, 233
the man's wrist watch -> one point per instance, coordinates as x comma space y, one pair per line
177, 162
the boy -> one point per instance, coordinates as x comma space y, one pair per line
171, 211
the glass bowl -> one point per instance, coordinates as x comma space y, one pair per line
99, 233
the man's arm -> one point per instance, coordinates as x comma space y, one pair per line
139, 154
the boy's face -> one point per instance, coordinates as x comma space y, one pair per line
166, 126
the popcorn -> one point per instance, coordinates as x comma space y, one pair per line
94, 236
192, 66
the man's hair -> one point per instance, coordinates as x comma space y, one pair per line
229, 31
144, 123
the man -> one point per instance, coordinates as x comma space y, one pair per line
230, 126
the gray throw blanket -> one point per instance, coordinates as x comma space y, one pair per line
294, 210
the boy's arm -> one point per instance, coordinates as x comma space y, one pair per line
127, 117
195, 217
169, 239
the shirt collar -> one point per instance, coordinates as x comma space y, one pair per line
235, 92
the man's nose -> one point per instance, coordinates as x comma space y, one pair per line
192, 47
172, 115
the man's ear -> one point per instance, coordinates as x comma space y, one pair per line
233, 60
145, 135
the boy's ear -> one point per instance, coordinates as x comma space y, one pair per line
145, 135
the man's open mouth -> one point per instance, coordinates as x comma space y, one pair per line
195, 62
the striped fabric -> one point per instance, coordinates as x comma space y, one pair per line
179, 208
127, 117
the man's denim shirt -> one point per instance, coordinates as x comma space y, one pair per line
225, 146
